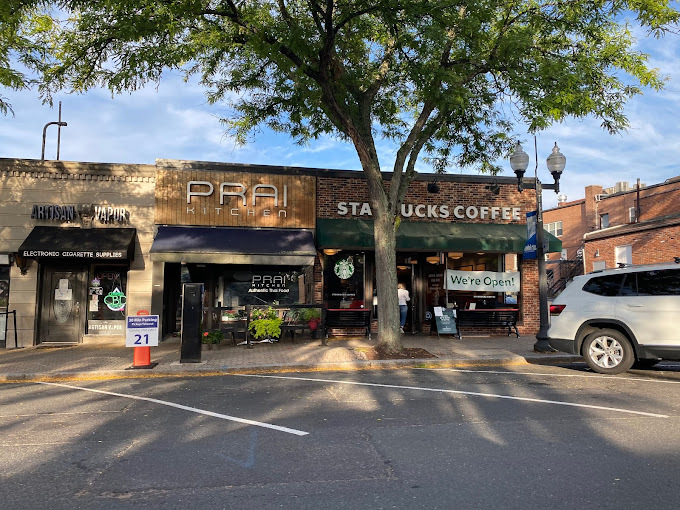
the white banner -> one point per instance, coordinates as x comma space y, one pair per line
482, 281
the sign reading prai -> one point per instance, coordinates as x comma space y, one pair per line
235, 199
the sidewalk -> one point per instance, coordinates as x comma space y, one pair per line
306, 354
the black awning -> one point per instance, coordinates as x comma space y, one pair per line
208, 245
430, 236
98, 244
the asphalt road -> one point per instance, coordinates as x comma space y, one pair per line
512, 437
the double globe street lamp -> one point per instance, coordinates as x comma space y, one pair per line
519, 161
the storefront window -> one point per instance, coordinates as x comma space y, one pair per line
344, 280
258, 285
107, 300
474, 262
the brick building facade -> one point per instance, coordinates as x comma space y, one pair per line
251, 234
619, 225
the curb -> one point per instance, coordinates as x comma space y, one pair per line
202, 370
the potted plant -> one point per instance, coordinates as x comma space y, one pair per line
311, 316
265, 324
211, 338
231, 316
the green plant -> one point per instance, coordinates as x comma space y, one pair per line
308, 314
212, 337
263, 313
266, 328
230, 316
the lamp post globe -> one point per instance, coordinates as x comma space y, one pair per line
519, 161
556, 163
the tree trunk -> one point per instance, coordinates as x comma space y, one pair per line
389, 336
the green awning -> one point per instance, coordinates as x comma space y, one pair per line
429, 236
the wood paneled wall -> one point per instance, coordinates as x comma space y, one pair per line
172, 207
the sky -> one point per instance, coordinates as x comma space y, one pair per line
173, 120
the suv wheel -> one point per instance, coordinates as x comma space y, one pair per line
608, 351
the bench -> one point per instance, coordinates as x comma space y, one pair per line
233, 327
505, 317
347, 318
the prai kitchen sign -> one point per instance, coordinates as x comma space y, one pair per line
235, 199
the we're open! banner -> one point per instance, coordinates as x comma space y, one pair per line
482, 281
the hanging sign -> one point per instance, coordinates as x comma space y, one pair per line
482, 281
530, 251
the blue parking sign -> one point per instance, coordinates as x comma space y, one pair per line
142, 331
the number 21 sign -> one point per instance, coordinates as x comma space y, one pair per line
142, 331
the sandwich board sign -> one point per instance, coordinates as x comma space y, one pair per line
445, 321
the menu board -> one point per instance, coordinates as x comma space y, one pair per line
445, 321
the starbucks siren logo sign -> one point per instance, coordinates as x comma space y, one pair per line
344, 269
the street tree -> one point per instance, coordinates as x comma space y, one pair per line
447, 82
21, 24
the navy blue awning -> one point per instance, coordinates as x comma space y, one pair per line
208, 245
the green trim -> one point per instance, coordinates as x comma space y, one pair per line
429, 236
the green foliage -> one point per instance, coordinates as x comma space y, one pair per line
22, 27
307, 314
212, 337
263, 313
266, 328
265, 323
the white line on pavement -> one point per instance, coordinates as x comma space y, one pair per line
508, 372
186, 408
460, 392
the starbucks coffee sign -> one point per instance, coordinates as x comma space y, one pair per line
442, 211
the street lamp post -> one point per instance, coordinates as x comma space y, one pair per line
519, 161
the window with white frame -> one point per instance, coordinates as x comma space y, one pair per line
554, 228
632, 216
624, 254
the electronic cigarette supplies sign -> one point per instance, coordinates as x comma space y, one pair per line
142, 331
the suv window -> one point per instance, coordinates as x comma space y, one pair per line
662, 282
608, 285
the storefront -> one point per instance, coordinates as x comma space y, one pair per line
82, 280
122, 239
246, 235
458, 248
77, 237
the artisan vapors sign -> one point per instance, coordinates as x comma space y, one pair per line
68, 213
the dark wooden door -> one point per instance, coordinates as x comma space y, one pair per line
63, 301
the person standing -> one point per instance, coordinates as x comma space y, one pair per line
403, 308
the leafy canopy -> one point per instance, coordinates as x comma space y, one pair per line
450, 77
21, 25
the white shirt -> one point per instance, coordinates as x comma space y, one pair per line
403, 296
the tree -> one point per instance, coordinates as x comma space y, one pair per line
448, 79
21, 23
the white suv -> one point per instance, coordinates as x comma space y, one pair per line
616, 318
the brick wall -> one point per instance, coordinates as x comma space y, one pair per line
572, 216
648, 247
331, 190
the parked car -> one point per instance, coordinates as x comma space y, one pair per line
618, 318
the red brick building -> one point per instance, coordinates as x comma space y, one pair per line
624, 224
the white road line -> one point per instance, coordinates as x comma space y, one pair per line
593, 376
186, 408
460, 392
